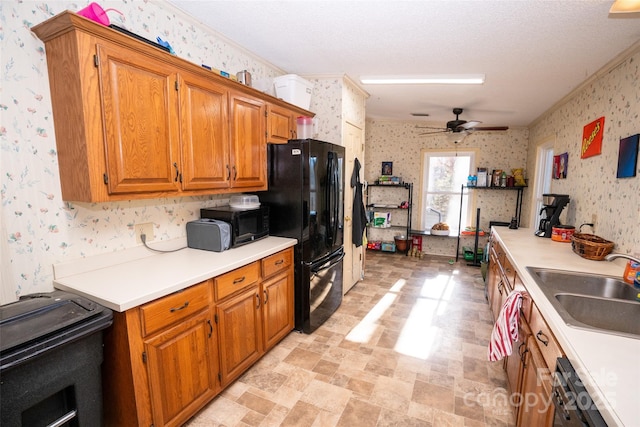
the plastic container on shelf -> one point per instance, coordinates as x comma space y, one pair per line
244, 201
304, 127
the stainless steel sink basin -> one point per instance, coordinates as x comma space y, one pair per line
590, 301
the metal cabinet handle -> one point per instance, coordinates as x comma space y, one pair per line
175, 165
500, 286
266, 297
64, 419
239, 280
257, 301
280, 262
544, 340
522, 353
185, 305
210, 328
235, 173
228, 173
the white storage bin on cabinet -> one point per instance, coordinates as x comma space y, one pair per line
294, 90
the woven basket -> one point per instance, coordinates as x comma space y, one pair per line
590, 246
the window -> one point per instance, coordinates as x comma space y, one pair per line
444, 173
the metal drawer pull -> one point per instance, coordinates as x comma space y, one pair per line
185, 305
279, 262
266, 297
240, 280
523, 353
63, 419
210, 328
544, 341
257, 300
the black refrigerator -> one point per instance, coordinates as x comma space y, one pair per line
305, 198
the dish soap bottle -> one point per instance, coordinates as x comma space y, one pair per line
632, 271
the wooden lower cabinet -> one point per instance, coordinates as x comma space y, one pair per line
535, 405
166, 359
277, 308
529, 366
240, 329
190, 349
514, 364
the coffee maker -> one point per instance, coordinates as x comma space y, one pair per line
553, 206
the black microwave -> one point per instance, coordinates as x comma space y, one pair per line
247, 225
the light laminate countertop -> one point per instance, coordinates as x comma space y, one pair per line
607, 364
127, 279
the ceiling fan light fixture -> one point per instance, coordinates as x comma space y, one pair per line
464, 79
455, 137
625, 6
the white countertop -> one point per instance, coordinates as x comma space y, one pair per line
608, 365
129, 278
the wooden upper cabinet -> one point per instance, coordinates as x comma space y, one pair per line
248, 163
204, 128
281, 124
139, 102
133, 121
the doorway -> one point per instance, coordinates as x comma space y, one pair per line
354, 256
544, 170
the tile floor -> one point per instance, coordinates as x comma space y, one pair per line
406, 348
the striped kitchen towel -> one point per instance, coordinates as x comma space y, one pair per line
505, 330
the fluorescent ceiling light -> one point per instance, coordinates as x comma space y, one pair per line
451, 79
625, 6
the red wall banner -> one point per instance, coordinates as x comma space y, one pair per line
592, 138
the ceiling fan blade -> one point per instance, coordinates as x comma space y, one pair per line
492, 128
430, 127
434, 132
470, 124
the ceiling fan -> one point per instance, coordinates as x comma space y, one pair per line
460, 126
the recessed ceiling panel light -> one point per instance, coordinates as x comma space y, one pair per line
625, 6
452, 79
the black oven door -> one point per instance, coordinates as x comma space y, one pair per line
574, 407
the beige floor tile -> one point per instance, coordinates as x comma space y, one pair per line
359, 413
406, 348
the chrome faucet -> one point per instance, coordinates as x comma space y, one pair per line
611, 257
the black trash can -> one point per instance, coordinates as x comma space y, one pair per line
50, 360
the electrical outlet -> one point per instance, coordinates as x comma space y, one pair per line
146, 229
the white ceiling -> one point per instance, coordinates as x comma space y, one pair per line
533, 52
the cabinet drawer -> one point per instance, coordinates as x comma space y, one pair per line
508, 271
277, 262
236, 280
543, 336
172, 308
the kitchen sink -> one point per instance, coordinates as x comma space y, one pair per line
590, 301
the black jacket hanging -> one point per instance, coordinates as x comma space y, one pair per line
359, 212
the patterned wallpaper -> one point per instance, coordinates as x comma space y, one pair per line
591, 182
399, 142
38, 228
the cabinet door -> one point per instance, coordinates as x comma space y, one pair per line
140, 120
248, 164
277, 308
204, 130
281, 124
239, 326
536, 407
514, 364
495, 288
182, 364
